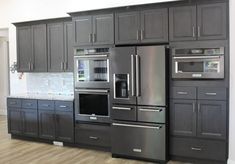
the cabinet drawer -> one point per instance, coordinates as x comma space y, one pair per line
29, 104
139, 141
46, 104
123, 113
198, 148
96, 135
155, 115
184, 93
64, 105
15, 103
212, 93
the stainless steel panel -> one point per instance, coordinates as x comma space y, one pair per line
121, 64
152, 75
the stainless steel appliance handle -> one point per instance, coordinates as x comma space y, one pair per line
137, 35
193, 107
193, 31
121, 108
63, 106
92, 56
196, 57
90, 37
182, 93
93, 137
132, 76
199, 31
150, 110
196, 148
137, 126
141, 34
137, 75
93, 90
211, 94
29, 65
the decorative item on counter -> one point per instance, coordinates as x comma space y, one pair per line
13, 67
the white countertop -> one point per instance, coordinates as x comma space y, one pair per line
44, 96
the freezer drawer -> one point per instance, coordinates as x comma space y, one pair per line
152, 115
127, 113
139, 141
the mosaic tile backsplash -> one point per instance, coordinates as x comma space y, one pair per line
50, 83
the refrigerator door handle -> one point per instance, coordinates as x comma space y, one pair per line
137, 60
132, 76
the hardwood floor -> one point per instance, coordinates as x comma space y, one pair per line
14, 151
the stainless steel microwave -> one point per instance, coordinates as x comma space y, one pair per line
198, 63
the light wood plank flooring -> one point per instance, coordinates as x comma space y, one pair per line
13, 151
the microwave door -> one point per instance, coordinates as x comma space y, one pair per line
123, 75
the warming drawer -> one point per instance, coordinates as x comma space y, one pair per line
141, 141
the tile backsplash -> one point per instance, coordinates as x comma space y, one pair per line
52, 83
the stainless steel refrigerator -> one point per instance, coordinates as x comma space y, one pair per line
139, 101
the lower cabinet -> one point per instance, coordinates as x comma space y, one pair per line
64, 126
30, 122
45, 119
14, 121
92, 134
139, 141
198, 148
46, 124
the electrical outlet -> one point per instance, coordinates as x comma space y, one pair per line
57, 143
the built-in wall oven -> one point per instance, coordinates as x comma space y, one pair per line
198, 63
92, 105
91, 67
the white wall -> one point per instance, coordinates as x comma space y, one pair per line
25, 10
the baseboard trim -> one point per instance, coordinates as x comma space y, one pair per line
230, 161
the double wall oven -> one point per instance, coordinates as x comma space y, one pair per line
92, 84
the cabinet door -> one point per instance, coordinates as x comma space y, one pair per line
211, 119
46, 124
55, 38
183, 117
212, 21
39, 48
83, 30
182, 23
103, 29
30, 122
24, 48
68, 41
127, 28
64, 126
154, 26
14, 121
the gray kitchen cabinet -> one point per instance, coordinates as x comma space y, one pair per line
127, 26
103, 29
182, 23
83, 30
183, 117
55, 38
212, 21
46, 124
94, 30
68, 42
24, 48
64, 126
154, 25
39, 46
30, 122
201, 22
14, 121
211, 121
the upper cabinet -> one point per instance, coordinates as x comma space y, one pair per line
201, 22
93, 30
147, 26
43, 47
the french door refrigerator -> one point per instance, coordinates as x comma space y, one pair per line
139, 102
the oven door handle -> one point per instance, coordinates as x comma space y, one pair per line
92, 56
196, 57
93, 90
